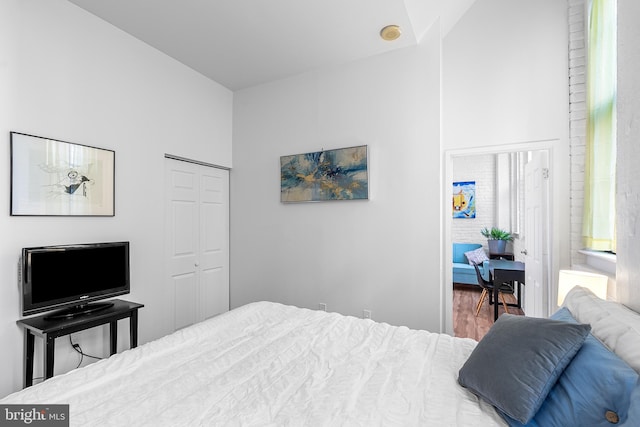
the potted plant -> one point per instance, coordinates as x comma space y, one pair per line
497, 239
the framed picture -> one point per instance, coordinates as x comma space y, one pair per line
57, 178
340, 174
464, 199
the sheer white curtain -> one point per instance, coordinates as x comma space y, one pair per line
599, 230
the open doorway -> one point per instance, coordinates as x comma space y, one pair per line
504, 206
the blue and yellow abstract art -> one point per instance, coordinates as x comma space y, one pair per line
464, 199
339, 174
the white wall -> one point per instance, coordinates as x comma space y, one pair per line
505, 74
628, 172
505, 83
381, 254
67, 75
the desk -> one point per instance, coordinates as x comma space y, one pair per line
49, 330
501, 271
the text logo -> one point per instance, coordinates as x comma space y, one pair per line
34, 415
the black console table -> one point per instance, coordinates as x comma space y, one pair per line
504, 255
50, 329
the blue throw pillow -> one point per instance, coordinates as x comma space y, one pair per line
515, 365
633, 417
594, 390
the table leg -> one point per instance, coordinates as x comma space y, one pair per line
49, 351
133, 329
29, 347
496, 291
113, 337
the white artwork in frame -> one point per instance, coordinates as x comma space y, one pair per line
56, 178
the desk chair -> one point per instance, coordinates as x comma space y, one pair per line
488, 288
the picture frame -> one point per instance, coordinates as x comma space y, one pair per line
50, 177
464, 199
338, 174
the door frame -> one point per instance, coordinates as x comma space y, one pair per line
558, 229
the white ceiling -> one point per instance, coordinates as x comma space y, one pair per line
241, 43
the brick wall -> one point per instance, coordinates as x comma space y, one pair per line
577, 121
481, 169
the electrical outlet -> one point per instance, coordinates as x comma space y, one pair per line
366, 314
322, 306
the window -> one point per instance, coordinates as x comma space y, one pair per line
599, 230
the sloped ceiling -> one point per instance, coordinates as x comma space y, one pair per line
241, 43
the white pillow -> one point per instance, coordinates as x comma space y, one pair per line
612, 323
476, 256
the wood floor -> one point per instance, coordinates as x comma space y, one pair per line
465, 323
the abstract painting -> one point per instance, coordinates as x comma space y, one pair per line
57, 178
464, 199
340, 174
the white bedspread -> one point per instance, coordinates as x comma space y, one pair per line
267, 364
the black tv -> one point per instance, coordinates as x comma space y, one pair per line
73, 277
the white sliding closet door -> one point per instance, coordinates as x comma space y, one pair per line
197, 241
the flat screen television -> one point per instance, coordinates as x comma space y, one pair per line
73, 277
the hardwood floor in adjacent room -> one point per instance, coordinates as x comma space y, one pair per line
465, 323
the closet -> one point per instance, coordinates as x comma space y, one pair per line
197, 240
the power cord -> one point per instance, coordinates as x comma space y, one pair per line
78, 349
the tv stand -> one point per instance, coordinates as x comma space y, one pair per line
79, 310
50, 329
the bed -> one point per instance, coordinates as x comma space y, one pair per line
268, 364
